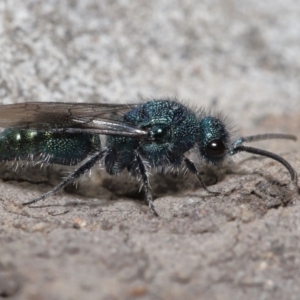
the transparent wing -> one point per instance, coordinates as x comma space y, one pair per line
101, 118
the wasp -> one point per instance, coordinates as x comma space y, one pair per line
155, 134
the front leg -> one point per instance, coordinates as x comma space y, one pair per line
138, 168
192, 168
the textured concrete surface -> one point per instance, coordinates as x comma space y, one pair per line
99, 241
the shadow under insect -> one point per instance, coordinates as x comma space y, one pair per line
140, 138
161, 184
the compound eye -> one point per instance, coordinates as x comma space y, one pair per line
215, 148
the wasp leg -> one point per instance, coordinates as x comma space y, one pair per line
192, 168
138, 167
78, 173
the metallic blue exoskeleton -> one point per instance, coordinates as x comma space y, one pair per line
156, 134
172, 131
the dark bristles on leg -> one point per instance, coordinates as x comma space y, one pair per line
78, 173
141, 168
271, 155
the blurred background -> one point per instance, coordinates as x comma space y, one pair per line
239, 57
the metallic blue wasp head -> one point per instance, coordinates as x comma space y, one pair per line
213, 139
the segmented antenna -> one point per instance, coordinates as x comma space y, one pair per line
239, 147
263, 137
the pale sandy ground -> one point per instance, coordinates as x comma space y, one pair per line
100, 242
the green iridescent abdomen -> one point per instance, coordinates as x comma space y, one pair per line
58, 148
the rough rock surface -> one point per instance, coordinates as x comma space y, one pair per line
100, 241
